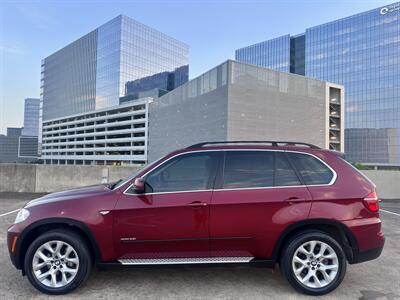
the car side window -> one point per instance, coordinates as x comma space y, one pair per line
285, 175
247, 169
187, 172
311, 169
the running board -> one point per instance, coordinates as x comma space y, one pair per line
182, 261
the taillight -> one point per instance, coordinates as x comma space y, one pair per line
371, 201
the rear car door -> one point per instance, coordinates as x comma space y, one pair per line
327, 197
258, 194
171, 219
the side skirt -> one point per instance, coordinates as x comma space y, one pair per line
195, 261
184, 261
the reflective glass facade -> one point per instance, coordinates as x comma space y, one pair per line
133, 58
68, 78
274, 54
297, 54
147, 55
31, 117
94, 71
108, 63
362, 52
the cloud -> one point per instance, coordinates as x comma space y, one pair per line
11, 50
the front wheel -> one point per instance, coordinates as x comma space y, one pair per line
314, 263
57, 262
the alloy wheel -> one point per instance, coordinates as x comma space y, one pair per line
315, 264
55, 264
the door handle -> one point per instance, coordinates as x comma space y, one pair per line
294, 199
197, 204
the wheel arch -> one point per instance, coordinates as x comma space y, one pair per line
35, 229
334, 228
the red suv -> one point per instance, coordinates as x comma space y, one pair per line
220, 202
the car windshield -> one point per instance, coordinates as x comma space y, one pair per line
121, 182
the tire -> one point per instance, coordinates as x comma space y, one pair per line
66, 269
316, 275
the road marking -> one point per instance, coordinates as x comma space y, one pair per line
9, 213
390, 212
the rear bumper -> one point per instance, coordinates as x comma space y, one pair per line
369, 239
363, 256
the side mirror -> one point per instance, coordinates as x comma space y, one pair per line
138, 185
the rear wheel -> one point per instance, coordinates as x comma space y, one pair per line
57, 262
314, 263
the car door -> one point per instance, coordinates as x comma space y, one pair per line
257, 196
171, 218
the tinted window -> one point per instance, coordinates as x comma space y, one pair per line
246, 169
311, 169
284, 173
184, 173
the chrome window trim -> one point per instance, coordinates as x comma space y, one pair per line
333, 180
162, 193
334, 177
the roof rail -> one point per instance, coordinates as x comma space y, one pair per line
273, 143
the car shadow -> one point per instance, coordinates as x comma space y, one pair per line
187, 281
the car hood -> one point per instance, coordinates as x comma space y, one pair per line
70, 194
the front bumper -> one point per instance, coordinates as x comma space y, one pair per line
13, 242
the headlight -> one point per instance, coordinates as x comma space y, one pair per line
22, 215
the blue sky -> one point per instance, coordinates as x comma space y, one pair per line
32, 30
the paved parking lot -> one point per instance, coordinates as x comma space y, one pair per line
378, 279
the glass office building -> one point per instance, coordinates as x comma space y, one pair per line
93, 72
362, 52
31, 117
273, 54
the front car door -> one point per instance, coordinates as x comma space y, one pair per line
171, 219
258, 195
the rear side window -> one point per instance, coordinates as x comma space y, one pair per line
312, 170
248, 169
252, 169
284, 173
